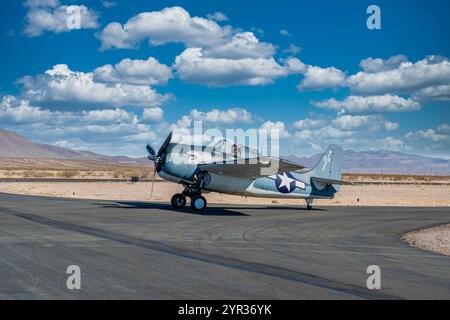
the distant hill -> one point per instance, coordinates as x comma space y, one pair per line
385, 162
13, 145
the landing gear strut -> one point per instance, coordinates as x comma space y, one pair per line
309, 203
198, 202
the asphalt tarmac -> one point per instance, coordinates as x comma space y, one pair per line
139, 250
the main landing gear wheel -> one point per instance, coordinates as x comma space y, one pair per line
198, 203
178, 201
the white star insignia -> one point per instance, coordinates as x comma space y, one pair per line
285, 181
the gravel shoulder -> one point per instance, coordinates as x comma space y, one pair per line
436, 239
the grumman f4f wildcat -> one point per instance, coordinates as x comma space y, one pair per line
232, 169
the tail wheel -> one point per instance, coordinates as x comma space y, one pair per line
309, 203
178, 201
198, 203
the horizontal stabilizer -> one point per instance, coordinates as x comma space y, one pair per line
331, 181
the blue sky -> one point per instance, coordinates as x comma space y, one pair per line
134, 70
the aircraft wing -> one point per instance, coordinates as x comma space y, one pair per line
252, 168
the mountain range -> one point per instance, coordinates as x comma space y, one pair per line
13, 145
385, 162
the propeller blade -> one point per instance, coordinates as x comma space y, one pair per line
164, 146
150, 150
158, 159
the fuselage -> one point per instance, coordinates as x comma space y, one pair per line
282, 185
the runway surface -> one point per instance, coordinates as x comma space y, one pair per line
149, 251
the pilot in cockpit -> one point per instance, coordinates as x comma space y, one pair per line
236, 151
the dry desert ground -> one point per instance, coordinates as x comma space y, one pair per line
358, 195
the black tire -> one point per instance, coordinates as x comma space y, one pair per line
309, 207
198, 203
178, 201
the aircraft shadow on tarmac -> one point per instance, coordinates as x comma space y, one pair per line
210, 211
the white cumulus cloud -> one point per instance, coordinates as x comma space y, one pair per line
13, 110
367, 122
283, 133
242, 45
228, 116
371, 65
370, 104
435, 93
317, 78
139, 72
429, 134
152, 114
309, 123
349, 131
214, 55
193, 67
50, 15
109, 131
407, 77
66, 88
172, 24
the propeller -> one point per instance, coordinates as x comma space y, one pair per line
158, 158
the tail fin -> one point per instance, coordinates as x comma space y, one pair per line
329, 166
326, 177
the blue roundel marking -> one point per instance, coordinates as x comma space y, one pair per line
285, 182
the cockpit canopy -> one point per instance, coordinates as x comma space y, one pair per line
234, 150
214, 150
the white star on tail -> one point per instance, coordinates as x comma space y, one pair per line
285, 182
